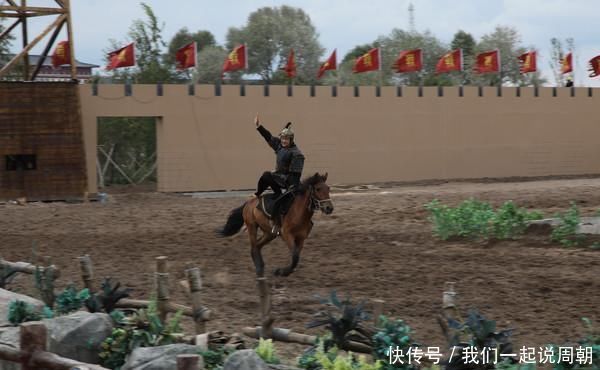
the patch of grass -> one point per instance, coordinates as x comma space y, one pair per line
566, 233
473, 219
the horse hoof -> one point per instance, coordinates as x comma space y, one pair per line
278, 272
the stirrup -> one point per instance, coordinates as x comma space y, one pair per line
276, 230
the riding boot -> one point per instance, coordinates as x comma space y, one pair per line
276, 230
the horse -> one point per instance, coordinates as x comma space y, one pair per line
311, 195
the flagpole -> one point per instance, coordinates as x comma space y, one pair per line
195, 63
380, 67
499, 66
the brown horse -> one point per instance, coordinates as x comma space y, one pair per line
312, 195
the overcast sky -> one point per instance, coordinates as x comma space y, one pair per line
343, 24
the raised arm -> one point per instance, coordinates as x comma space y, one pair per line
270, 139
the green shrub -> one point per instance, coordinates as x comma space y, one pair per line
71, 300
474, 219
343, 319
213, 360
566, 233
266, 351
142, 329
19, 312
394, 334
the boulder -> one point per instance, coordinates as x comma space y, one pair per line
245, 359
79, 335
158, 358
7, 296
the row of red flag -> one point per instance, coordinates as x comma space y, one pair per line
407, 60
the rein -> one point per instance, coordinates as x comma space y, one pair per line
315, 204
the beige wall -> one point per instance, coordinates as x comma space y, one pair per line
208, 142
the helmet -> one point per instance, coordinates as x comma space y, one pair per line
287, 131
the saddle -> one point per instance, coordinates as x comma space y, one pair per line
269, 203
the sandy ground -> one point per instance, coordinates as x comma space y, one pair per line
377, 244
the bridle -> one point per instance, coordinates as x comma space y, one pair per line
315, 204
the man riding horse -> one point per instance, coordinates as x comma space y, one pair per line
288, 170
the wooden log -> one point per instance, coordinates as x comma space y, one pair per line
190, 362
26, 268
264, 291
195, 284
87, 273
377, 310
171, 307
286, 335
51, 361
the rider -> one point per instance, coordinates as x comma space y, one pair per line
289, 165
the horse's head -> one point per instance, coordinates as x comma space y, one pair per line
320, 193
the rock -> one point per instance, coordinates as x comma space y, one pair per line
76, 336
7, 296
282, 367
245, 359
9, 336
587, 225
79, 335
158, 358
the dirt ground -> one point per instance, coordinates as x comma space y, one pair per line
377, 244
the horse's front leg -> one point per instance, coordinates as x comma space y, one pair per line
259, 264
295, 247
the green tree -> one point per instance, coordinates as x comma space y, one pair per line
346, 77
210, 63
203, 39
147, 35
4, 45
432, 48
466, 42
506, 40
557, 53
270, 33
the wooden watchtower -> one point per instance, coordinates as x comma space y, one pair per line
42, 155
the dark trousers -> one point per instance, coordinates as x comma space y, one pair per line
267, 180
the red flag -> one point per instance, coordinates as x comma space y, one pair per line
595, 66
186, 56
567, 64
409, 61
290, 65
237, 59
124, 57
61, 54
451, 61
487, 62
369, 61
330, 64
528, 62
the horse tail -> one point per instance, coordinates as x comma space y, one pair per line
235, 221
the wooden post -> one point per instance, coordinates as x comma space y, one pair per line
162, 287
87, 273
195, 284
190, 362
33, 337
377, 310
161, 264
264, 291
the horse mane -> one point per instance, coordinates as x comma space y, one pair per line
310, 181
